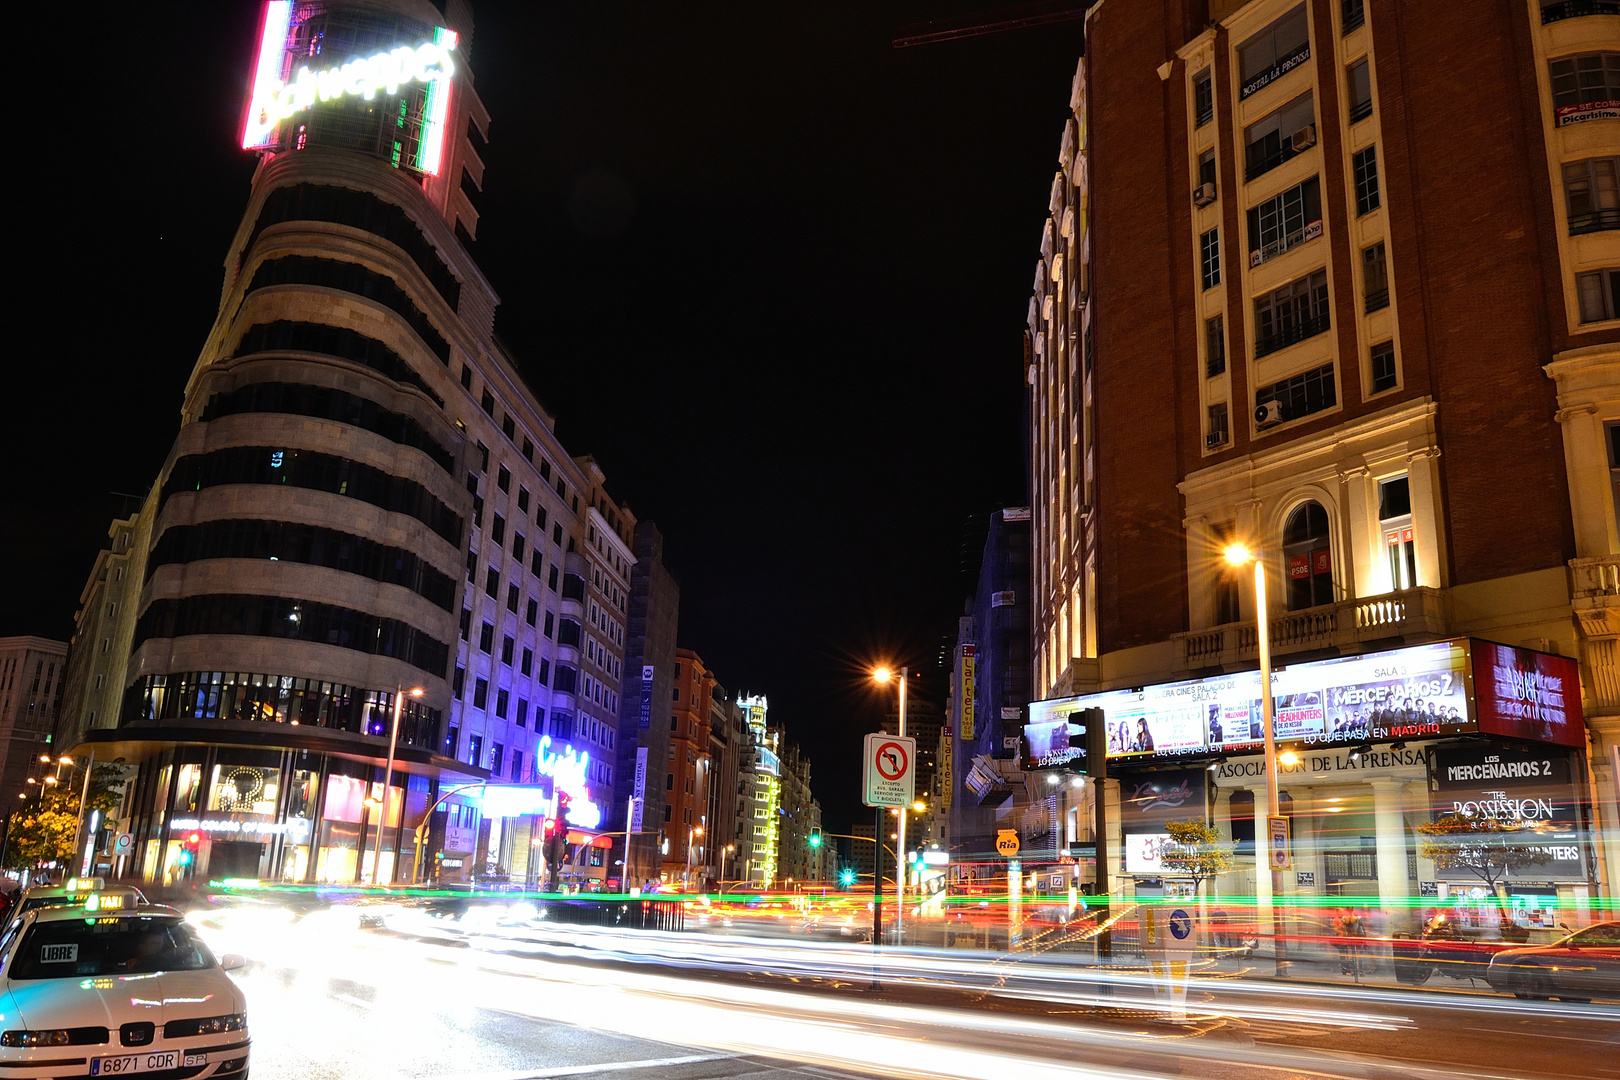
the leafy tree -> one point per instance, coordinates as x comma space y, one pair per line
1490, 848
1197, 852
45, 827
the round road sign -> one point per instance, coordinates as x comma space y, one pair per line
891, 761
1181, 924
1007, 842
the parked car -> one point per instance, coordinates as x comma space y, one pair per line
1584, 965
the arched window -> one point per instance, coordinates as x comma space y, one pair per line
1309, 557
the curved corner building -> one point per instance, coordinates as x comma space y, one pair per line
363, 500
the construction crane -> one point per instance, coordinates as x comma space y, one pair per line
976, 24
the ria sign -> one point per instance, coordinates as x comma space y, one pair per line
274, 98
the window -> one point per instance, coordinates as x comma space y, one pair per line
480, 693
536, 562
528, 661
466, 622
1291, 314
1274, 51
1203, 99
459, 686
1353, 13
1375, 277
487, 403
1584, 87
1279, 136
1206, 167
533, 612
545, 672
1395, 518
1364, 166
508, 427
483, 458
512, 596
466, 376
517, 546
1599, 294
1228, 578
1306, 393
1359, 80
556, 534
1612, 431
567, 679
1285, 221
452, 741
545, 469
507, 645
486, 637
492, 583
523, 712
1309, 557
549, 618
502, 701
517, 766
1210, 243
1591, 196
503, 479
523, 499
528, 450
496, 758
1383, 367
1218, 433
1214, 346
478, 511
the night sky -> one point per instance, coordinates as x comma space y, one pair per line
771, 271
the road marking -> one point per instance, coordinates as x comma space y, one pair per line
352, 1000
586, 1070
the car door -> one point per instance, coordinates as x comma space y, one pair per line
1597, 956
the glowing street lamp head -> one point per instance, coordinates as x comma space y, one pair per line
66, 761
919, 806
1238, 554
1288, 757
46, 758
417, 691
882, 674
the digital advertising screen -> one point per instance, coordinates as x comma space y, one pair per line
1528, 695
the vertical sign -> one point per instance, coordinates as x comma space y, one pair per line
646, 705
1281, 853
969, 690
947, 768
640, 790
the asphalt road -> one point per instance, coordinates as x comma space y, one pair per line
327, 999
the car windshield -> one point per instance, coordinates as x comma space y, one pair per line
138, 945
34, 903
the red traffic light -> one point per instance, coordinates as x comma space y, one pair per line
194, 839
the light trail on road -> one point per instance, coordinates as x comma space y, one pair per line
1111, 1027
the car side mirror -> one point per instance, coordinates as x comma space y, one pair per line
232, 962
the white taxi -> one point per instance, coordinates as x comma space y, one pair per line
115, 988
71, 893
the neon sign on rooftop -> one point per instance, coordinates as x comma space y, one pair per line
273, 99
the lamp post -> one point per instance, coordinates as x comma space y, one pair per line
1240, 555
388, 778
427, 816
884, 675
691, 834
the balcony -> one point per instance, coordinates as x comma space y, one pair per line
1574, 9
1270, 250
1348, 626
1257, 166
1291, 335
1593, 221
1261, 79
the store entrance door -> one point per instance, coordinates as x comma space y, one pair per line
234, 858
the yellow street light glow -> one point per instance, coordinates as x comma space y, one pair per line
919, 806
882, 674
417, 691
66, 761
1288, 757
50, 779
46, 758
1238, 554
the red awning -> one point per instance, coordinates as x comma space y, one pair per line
601, 840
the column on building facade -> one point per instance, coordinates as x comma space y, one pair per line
1389, 827
1361, 521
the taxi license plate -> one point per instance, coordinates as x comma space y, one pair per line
127, 1064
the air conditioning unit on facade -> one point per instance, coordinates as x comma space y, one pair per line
1304, 138
1203, 194
1214, 439
1268, 414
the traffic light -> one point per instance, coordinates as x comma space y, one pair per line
188, 849
815, 838
846, 878
1088, 743
1075, 742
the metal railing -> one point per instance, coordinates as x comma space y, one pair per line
1353, 14
1257, 167
1291, 335
1377, 300
1361, 110
1574, 9
1593, 221
1283, 243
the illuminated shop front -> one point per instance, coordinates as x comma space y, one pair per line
1370, 747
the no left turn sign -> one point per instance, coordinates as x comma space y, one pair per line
888, 770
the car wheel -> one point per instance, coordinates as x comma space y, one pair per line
1540, 985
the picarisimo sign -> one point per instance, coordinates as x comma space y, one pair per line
282, 87
1421, 691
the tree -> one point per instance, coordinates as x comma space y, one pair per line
45, 827
1490, 848
1196, 852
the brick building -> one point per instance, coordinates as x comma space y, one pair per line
1336, 280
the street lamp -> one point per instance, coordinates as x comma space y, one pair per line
884, 675
691, 834
388, 777
1238, 555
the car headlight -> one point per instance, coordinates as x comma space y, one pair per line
54, 1037
207, 1025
